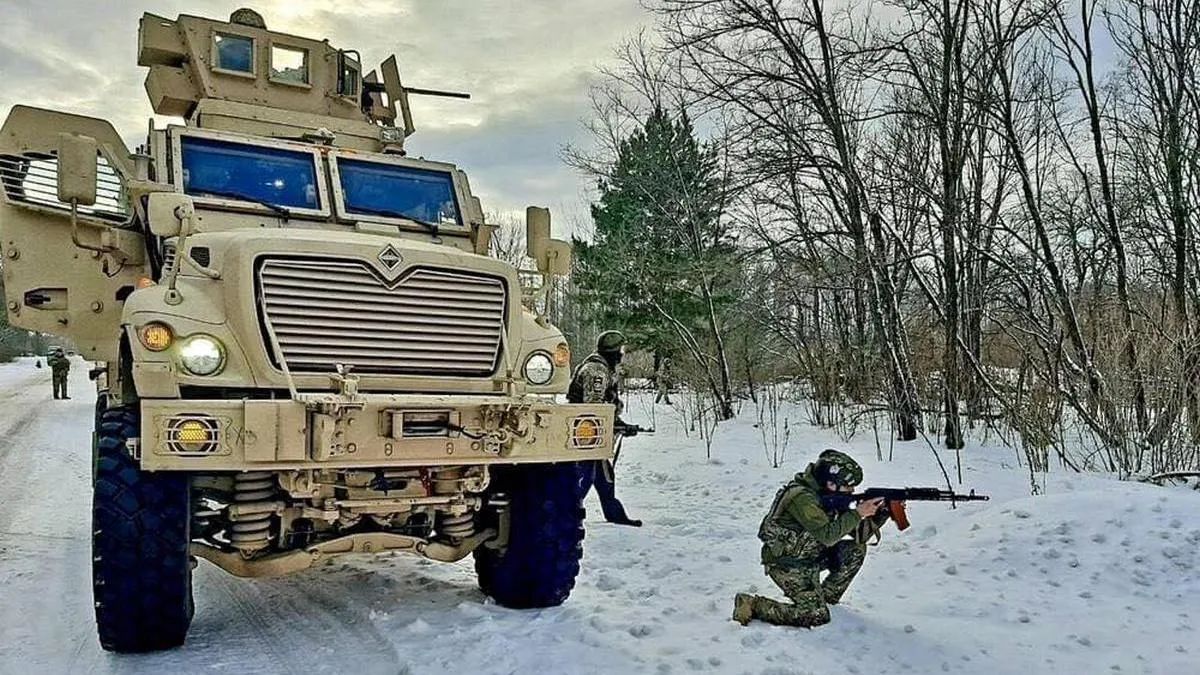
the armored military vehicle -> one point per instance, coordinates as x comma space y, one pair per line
309, 352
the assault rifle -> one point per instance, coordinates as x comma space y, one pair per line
894, 499
623, 430
627, 430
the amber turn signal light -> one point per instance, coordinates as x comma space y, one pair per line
156, 336
562, 355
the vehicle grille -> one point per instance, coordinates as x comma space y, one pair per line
433, 322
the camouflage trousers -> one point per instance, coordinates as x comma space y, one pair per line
809, 595
59, 379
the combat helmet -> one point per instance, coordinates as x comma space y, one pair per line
610, 341
834, 466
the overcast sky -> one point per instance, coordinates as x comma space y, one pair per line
526, 63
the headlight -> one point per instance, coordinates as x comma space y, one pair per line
202, 355
539, 369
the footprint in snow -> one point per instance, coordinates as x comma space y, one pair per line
609, 582
640, 631
753, 639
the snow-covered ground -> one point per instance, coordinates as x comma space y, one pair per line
1094, 576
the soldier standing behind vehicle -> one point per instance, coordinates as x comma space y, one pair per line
801, 538
595, 381
60, 367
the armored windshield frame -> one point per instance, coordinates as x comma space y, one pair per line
346, 213
177, 134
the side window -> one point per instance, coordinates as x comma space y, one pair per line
289, 64
234, 53
349, 72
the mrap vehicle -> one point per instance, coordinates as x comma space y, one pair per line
309, 352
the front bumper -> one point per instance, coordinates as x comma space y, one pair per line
329, 432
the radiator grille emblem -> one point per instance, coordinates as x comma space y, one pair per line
390, 257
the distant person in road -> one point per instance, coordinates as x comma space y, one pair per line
596, 381
60, 367
801, 539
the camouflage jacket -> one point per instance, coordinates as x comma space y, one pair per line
594, 382
798, 528
58, 364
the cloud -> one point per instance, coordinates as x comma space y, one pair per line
527, 65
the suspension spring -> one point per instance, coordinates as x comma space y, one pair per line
251, 529
460, 526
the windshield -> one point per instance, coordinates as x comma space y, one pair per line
270, 176
373, 188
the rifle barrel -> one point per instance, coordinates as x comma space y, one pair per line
436, 92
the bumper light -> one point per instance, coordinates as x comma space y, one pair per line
202, 355
587, 432
193, 436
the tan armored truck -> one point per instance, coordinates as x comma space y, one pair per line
309, 352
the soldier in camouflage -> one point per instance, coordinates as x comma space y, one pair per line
801, 538
596, 381
60, 368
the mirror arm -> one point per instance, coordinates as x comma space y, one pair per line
200, 269
173, 296
75, 232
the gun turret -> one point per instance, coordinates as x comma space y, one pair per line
239, 76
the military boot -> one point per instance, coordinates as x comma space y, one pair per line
743, 608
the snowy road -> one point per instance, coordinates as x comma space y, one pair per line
1094, 577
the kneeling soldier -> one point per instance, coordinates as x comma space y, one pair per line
802, 537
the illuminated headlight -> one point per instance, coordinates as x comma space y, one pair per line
539, 369
202, 355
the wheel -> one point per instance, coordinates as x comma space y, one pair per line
545, 540
141, 571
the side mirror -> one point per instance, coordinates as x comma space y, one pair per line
170, 214
537, 232
77, 157
558, 258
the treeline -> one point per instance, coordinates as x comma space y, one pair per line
959, 213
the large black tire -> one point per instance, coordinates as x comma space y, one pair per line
141, 571
545, 540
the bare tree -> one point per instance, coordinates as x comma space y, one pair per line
794, 84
